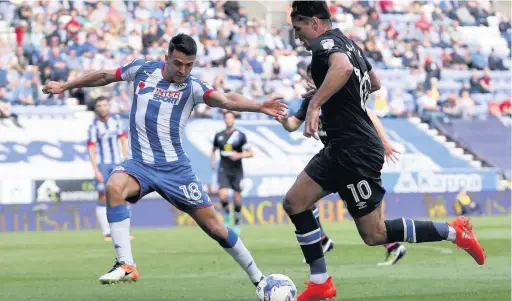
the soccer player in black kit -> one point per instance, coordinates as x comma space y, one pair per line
351, 161
233, 148
394, 251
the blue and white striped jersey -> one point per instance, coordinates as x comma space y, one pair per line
106, 135
159, 112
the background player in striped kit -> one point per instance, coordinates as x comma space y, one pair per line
165, 95
107, 146
233, 147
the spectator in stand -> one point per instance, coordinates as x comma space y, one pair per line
500, 108
427, 105
451, 106
485, 82
234, 51
479, 60
495, 62
474, 82
466, 106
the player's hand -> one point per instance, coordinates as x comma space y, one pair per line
390, 153
309, 93
99, 176
311, 126
311, 90
273, 107
282, 119
53, 88
236, 156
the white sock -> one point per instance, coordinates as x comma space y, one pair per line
319, 278
244, 258
452, 234
101, 215
120, 232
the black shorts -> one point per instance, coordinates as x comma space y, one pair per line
353, 174
230, 178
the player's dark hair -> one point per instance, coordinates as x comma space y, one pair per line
184, 44
305, 10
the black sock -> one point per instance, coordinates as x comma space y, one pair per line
225, 206
317, 216
309, 235
406, 229
238, 214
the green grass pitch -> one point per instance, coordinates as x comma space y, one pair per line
183, 264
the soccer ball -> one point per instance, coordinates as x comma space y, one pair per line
276, 287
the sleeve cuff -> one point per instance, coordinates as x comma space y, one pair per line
118, 74
206, 94
90, 143
123, 135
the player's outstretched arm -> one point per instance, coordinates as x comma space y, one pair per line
237, 102
290, 124
92, 79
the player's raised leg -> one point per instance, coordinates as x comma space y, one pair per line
122, 186
297, 203
206, 218
374, 230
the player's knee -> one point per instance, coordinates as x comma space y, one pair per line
223, 195
292, 205
114, 193
287, 205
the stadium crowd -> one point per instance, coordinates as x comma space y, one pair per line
421, 41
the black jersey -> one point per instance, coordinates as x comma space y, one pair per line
301, 115
343, 118
229, 143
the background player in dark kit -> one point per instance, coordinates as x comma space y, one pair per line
233, 147
352, 159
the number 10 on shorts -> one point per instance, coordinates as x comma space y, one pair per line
191, 192
363, 190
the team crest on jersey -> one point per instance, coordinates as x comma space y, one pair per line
180, 86
327, 44
167, 96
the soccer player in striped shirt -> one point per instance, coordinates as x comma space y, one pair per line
107, 146
165, 94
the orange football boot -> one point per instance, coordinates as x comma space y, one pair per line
466, 239
317, 292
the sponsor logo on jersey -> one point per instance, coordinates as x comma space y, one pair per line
172, 97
